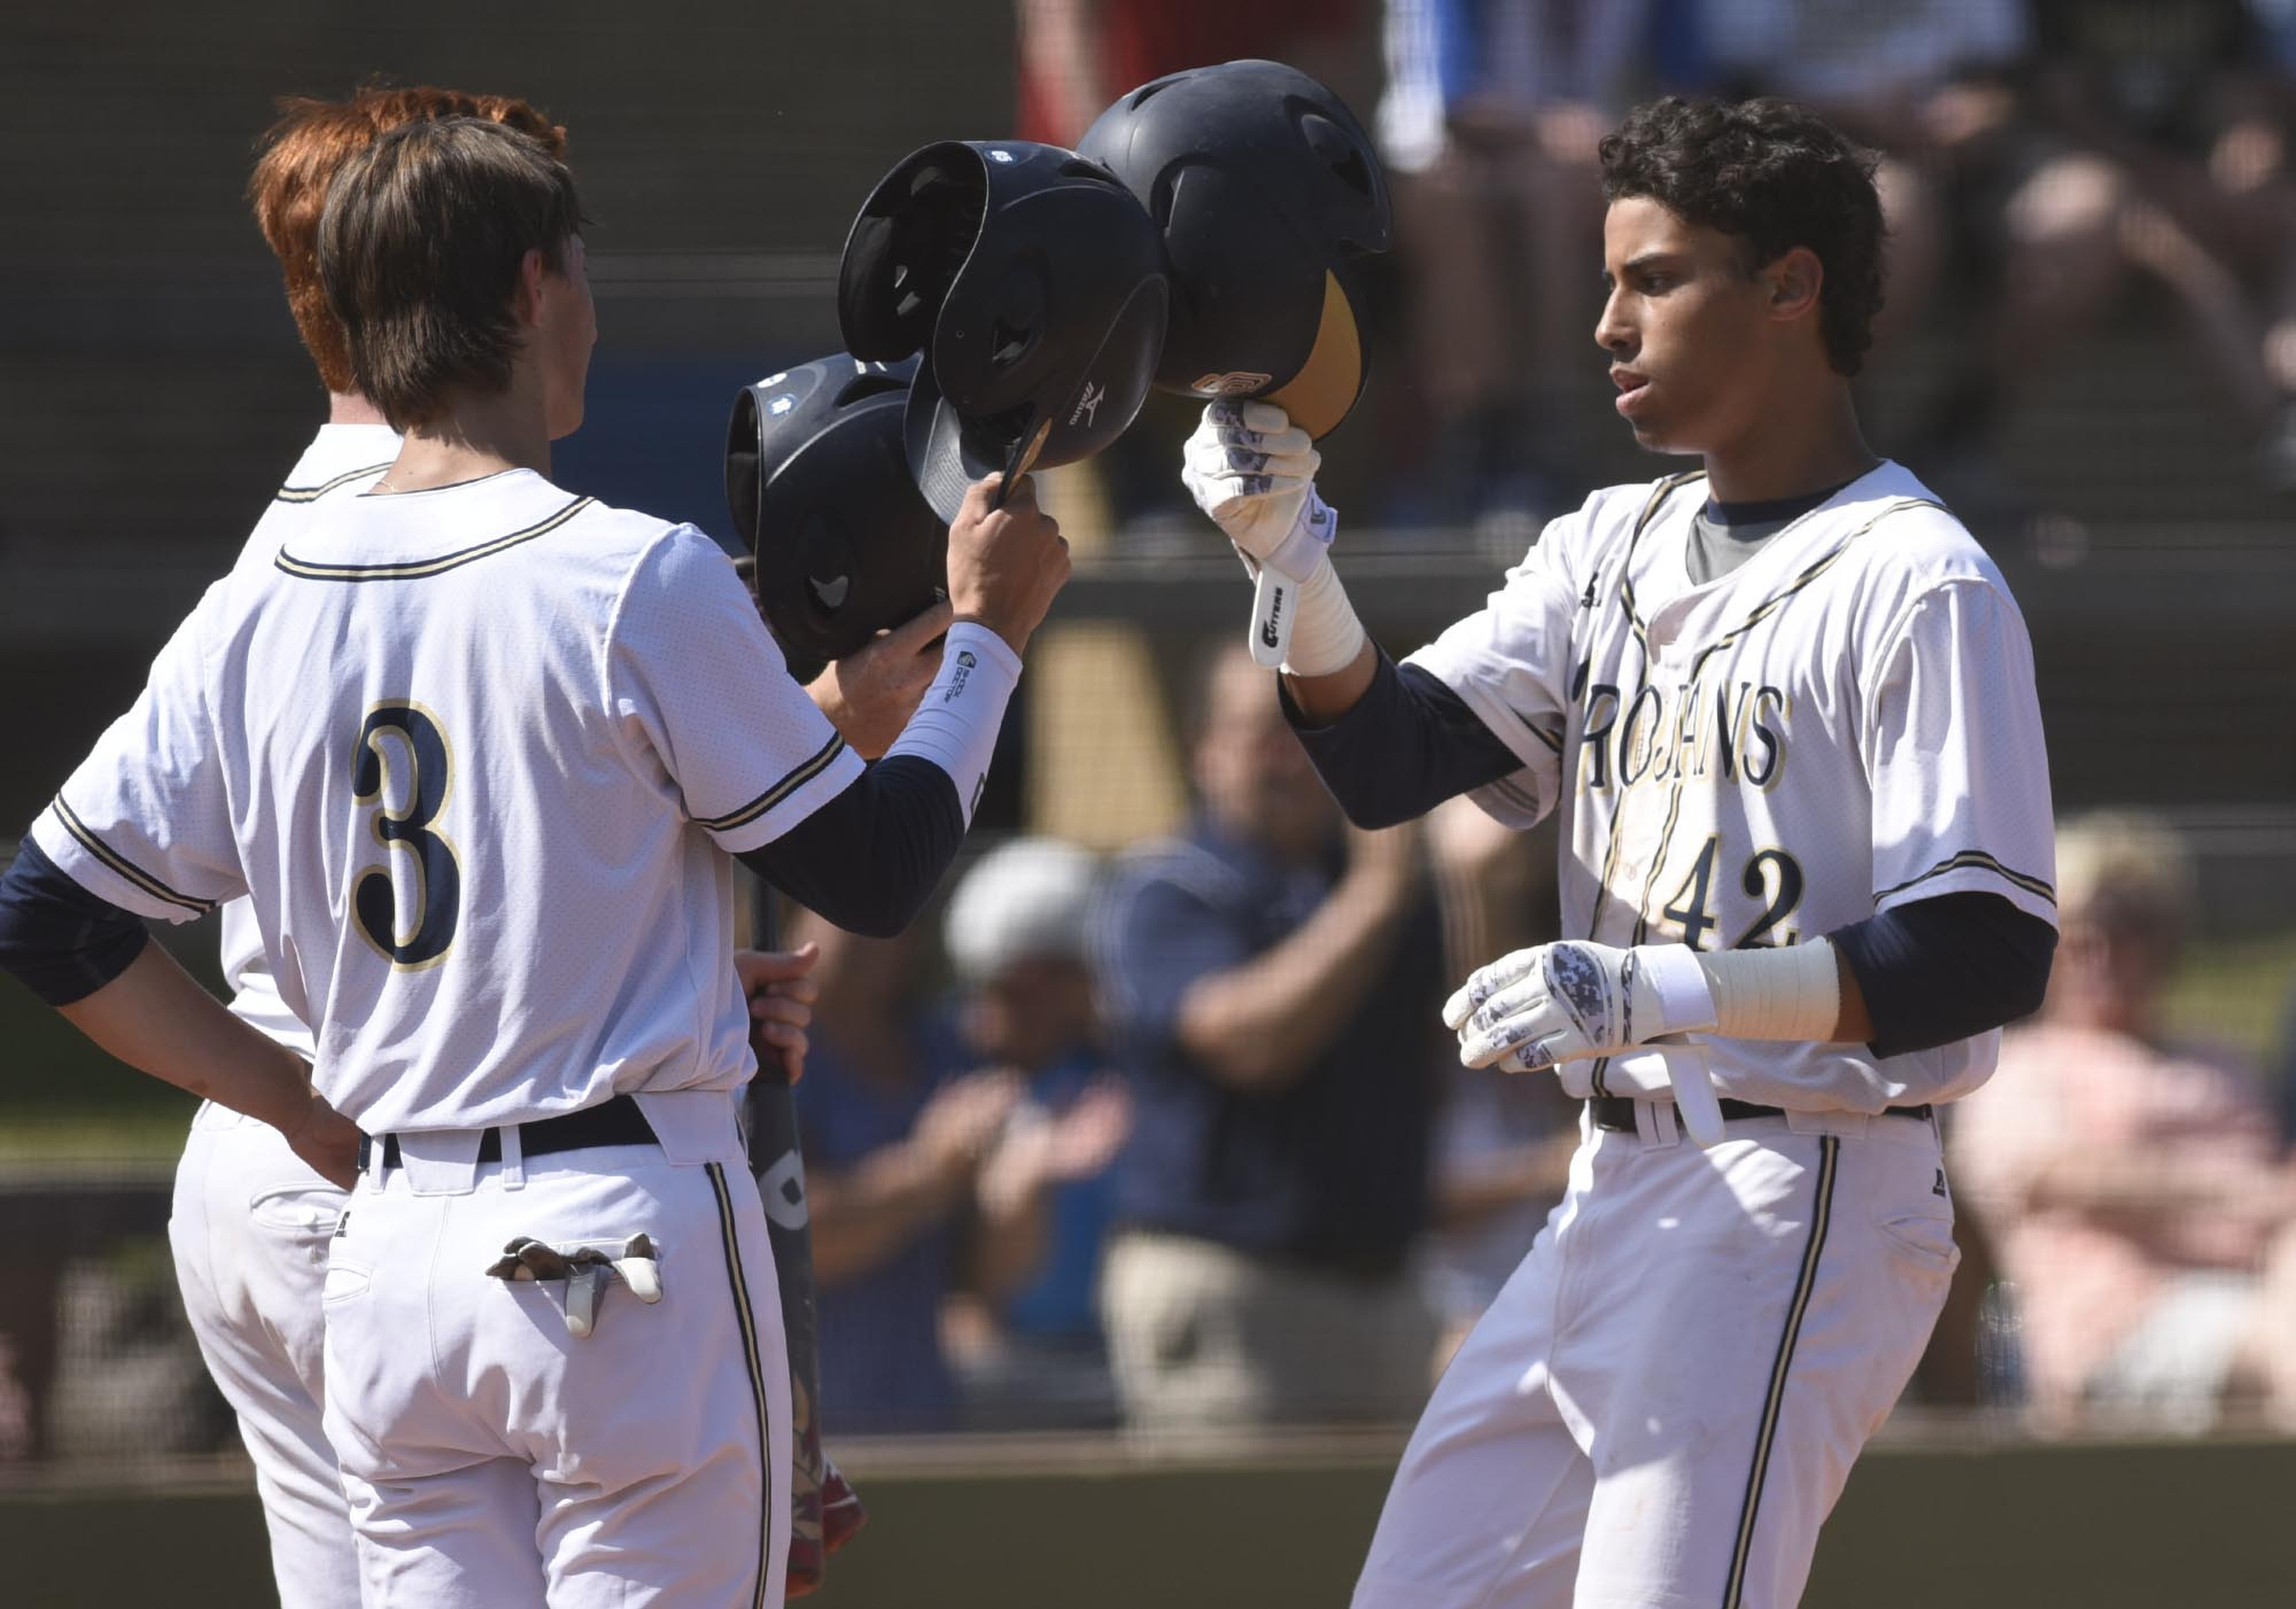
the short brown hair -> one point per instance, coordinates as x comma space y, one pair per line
420, 249
304, 150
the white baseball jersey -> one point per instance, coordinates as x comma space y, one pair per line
475, 753
341, 460
1844, 723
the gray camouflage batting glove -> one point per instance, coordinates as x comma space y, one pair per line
1557, 1003
1254, 470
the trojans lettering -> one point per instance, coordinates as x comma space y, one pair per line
1669, 733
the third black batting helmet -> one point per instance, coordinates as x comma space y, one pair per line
820, 489
1263, 184
1031, 282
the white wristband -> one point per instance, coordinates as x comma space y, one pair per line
1791, 992
1326, 636
956, 725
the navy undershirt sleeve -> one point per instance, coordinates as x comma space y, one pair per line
1405, 746
1947, 968
869, 858
61, 942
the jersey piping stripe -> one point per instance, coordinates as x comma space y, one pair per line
1822, 1211
422, 569
121, 864
1610, 855
1978, 858
312, 494
1770, 605
747, 1318
777, 793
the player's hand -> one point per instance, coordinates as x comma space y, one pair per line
781, 996
328, 1141
1006, 565
1528, 1011
869, 694
1254, 472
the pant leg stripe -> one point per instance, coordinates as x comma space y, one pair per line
1829, 1156
747, 1319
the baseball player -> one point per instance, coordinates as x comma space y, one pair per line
251, 1221
477, 750
1784, 707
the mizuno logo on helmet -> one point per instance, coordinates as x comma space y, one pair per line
1087, 406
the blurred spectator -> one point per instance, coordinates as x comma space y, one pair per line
1077, 56
1488, 127
1503, 1143
1920, 81
1272, 989
936, 1142
2156, 144
2134, 1185
1027, 1344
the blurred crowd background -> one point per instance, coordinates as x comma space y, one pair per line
1151, 1128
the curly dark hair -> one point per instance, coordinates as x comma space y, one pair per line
1778, 176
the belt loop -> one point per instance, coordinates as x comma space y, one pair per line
513, 1158
366, 1152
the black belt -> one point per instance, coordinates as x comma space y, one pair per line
1616, 1113
617, 1122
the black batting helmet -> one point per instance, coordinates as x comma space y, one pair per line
1263, 183
819, 486
1031, 282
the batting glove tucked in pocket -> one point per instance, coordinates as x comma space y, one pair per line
1557, 1002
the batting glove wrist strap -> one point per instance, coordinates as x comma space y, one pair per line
956, 724
1792, 992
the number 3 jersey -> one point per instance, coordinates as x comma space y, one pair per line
477, 755
1844, 723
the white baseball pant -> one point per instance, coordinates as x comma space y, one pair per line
250, 1233
493, 1458
1664, 1402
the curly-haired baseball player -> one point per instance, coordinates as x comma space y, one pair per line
477, 751
1784, 706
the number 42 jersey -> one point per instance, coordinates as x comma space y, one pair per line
477, 756
1844, 723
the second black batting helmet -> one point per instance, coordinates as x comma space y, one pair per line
819, 484
1263, 183
1031, 282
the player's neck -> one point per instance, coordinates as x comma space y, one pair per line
479, 436
1794, 451
351, 407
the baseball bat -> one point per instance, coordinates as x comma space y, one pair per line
773, 1147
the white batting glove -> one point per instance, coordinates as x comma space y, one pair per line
1254, 472
1558, 1002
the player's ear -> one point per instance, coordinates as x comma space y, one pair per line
526, 300
1792, 282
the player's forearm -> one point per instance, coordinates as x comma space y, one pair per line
1322, 700
155, 1018
1261, 1025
